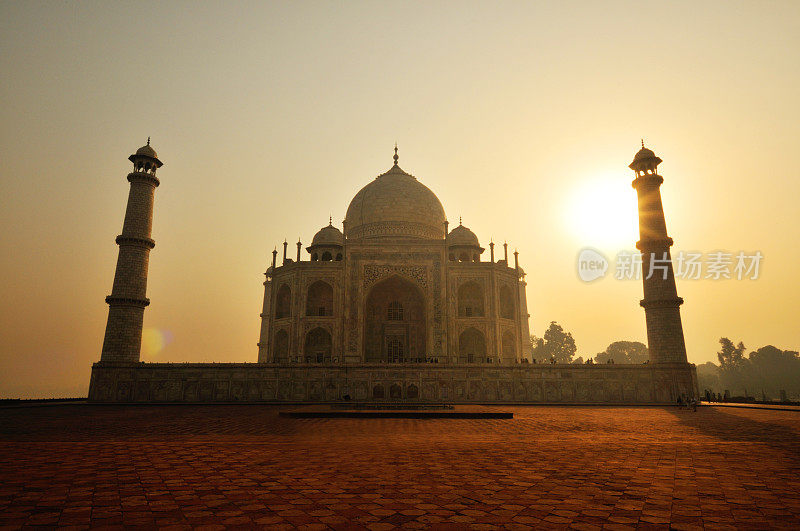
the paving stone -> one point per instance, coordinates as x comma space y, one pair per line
242, 466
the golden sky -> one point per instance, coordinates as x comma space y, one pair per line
521, 116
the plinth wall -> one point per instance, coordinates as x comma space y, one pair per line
413, 383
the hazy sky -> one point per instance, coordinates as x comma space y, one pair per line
521, 116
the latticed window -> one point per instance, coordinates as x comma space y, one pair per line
395, 349
395, 311
468, 311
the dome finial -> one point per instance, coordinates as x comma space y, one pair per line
330, 221
396, 158
148, 140
643, 143
459, 220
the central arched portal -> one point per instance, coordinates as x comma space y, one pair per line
394, 322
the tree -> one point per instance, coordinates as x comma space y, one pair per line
708, 377
537, 346
556, 344
732, 365
623, 352
773, 370
730, 356
764, 372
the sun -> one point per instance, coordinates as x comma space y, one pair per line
602, 213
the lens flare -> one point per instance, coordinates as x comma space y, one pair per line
154, 341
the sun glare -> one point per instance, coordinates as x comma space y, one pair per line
602, 213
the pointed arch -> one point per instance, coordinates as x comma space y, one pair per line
318, 346
395, 321
509, 348
471, 346
283, 302
470, 300
412, 392
281, 347
506, 302
319, 299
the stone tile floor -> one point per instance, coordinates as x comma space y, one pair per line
549, 467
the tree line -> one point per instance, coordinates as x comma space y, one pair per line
557, 345
763, 373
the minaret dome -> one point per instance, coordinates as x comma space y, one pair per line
145, 160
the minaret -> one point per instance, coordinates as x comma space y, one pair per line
126, 304
661, 302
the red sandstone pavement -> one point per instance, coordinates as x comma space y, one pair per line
549, 467
787, 407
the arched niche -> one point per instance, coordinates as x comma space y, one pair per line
318, 346
394, 322
283, 302
508, 348
470, 300
506, 302
395, 391
471, 346
319, 299
281, 347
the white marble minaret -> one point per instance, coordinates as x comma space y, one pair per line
126, 304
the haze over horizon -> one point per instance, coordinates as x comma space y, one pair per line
521, 117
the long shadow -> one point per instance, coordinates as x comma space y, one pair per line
163, 422
728, 427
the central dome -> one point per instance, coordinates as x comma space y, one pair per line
395, 205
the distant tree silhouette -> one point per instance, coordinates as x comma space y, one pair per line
730, 356
773, 369
557, 343
764, 372
732, 364
623, 352
708, 377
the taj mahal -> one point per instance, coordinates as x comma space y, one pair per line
395, 286
394, 307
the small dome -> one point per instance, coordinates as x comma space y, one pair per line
462, 236
329, 235
644, 160
147, 151
644, 154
